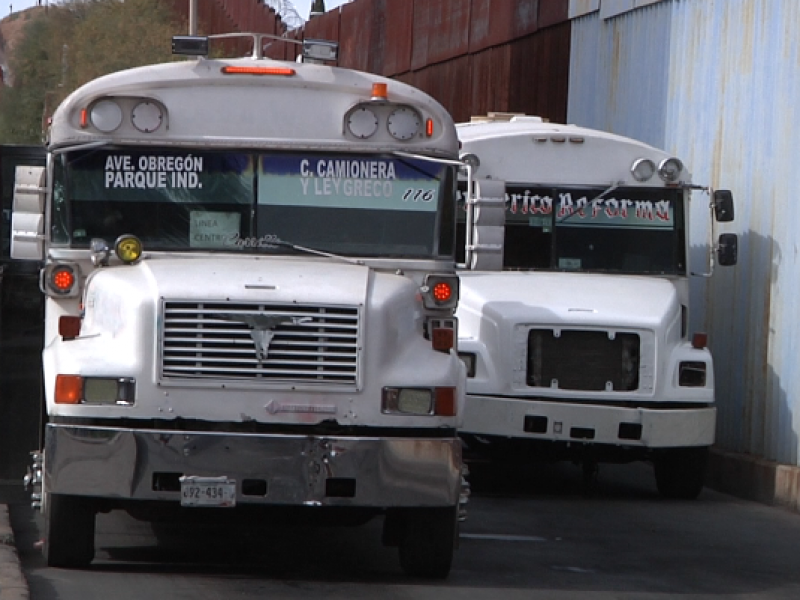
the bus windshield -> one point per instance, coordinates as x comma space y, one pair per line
626, 230
358, 205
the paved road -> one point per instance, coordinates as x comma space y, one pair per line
533, 536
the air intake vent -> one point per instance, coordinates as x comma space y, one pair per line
240, 341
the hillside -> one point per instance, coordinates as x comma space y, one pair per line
10, 31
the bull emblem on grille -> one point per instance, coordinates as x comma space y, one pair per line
262, 327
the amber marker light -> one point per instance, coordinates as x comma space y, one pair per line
69, 327
699, 340
442, 339
84, 118
128, 248
445, 402
380, 91
69, 389
285, 71
429, 127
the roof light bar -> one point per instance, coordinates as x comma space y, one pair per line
231, 70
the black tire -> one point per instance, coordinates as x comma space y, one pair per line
69, 531
427, 541
680, 473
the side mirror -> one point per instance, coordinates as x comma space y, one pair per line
27, 220
728, 249
723, 205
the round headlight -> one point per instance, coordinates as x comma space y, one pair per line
106, 115
362, 122
404, 123
643, 169
128, 248
147, 117
670, 170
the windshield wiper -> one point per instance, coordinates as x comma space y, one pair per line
316, 252
589, 204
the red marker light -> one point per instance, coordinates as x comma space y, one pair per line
63, 279
442, 291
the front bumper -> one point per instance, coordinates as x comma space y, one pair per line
590, 423
294, 470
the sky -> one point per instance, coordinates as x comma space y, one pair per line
303, 7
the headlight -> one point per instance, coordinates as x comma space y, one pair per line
692, 374
115, 391
441, 401
410, 401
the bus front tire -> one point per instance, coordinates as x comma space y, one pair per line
427, 541
680, 473
69, 531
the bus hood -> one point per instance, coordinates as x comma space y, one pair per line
553, 299
240, 279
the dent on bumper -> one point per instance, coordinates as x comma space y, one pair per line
590, 423
386, 472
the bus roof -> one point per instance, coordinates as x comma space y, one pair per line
303, 108
524, 149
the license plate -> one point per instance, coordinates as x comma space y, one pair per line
208, 491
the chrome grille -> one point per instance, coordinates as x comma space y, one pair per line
583, 360
315, 344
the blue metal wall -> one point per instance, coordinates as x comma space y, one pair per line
717, 83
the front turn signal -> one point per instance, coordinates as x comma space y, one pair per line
69, 389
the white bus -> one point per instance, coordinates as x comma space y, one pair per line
574, 317
250, 292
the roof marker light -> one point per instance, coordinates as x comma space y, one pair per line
231, 70
380, 91
699, 340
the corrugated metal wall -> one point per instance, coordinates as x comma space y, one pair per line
716, 83
473, 56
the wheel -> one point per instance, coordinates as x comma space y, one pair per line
427, 541
69, 531
680, 473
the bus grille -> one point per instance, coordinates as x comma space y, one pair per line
287, 343
583, 360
